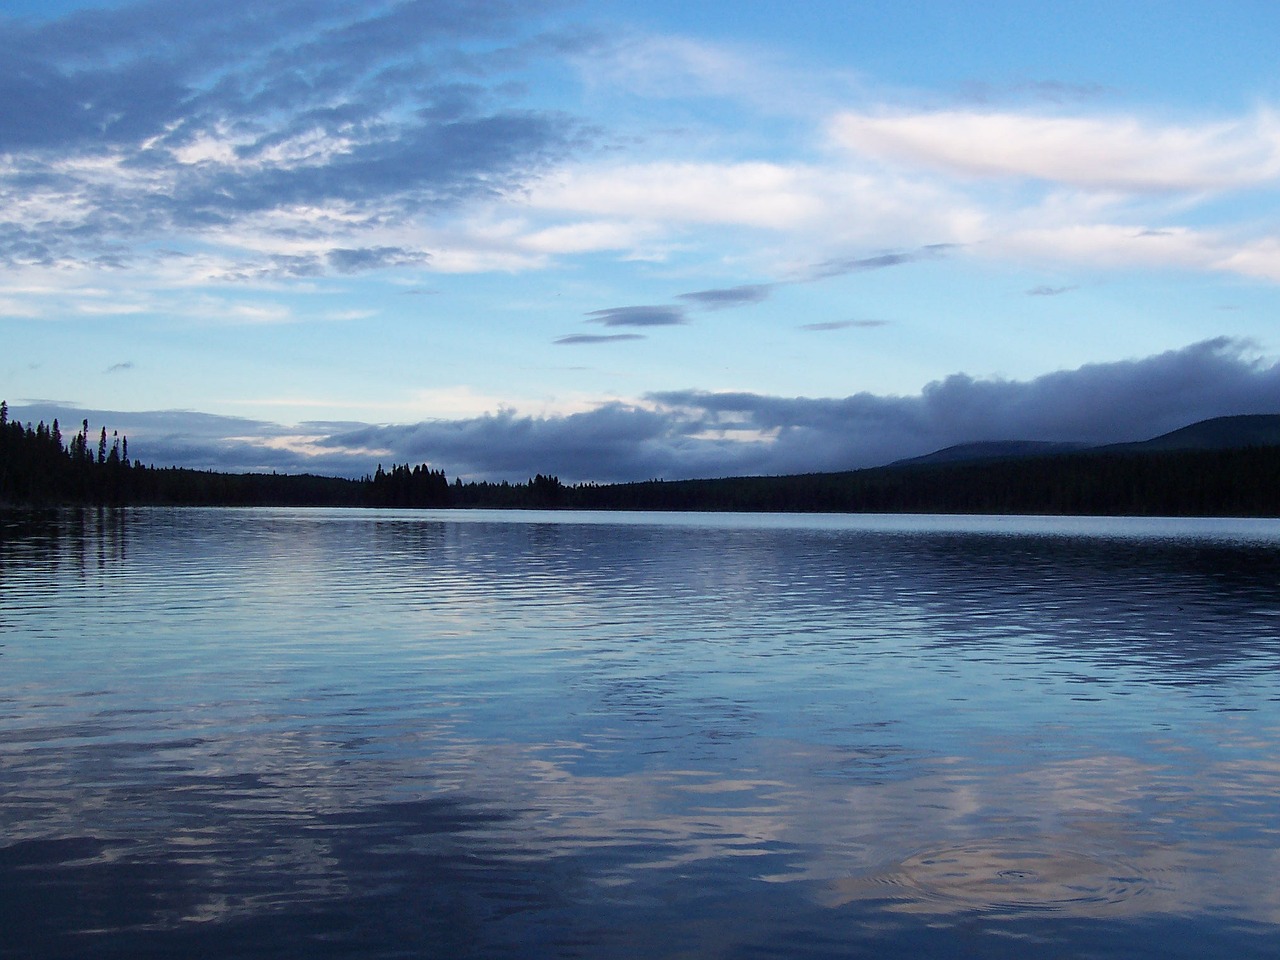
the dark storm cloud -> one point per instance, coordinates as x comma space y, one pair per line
393, 107
658, 316
693, 433
590, 338
613, 441
1097, 403
730, 296
179, 437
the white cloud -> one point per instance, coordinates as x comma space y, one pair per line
1259, 259
588, 236
765, 195
249, 313
1098, 153
671, 66
11, 307
310, 446
119, 308
676, 68
781, 217
1116, 246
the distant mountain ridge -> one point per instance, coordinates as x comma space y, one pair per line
992, 450
1217, 433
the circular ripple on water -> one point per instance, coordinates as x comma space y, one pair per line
1002, 875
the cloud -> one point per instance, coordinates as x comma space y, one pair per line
1117, 246
1049, 91
614, 440
676, 69
840, 267
654, 316
730, 296
844, 325
125, 124
320, 138
373, 258
1097, 403
765, 195
1047, 291
198, 440
589, 338
120, 367
745, 294
1095, 153
695, 433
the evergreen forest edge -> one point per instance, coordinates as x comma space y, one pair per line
38, 467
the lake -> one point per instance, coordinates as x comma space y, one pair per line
349, 733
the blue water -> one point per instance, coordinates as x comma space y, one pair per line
315, 733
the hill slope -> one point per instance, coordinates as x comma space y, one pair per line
1223, 467
1218, 433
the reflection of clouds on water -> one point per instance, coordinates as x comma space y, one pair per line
269, 826
318, 721
1101, 836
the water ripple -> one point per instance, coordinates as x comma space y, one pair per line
379, 733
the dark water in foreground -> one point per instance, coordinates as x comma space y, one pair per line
358, 734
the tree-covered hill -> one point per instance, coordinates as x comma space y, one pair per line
1226, 467
1240, 482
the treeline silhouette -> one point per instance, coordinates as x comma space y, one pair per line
37, 466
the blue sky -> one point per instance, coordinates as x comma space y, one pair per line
622, 240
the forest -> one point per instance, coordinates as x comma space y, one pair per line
39, 466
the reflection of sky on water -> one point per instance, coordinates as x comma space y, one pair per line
406, 730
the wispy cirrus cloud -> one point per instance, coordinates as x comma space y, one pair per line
641, 316
752, 293
828, 325
1092, 152
580, 339
841, 266
730, 296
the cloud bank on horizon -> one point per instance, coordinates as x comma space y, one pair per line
692, 433
657, 241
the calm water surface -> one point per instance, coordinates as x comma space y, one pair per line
279, 733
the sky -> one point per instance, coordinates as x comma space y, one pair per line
621, 240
